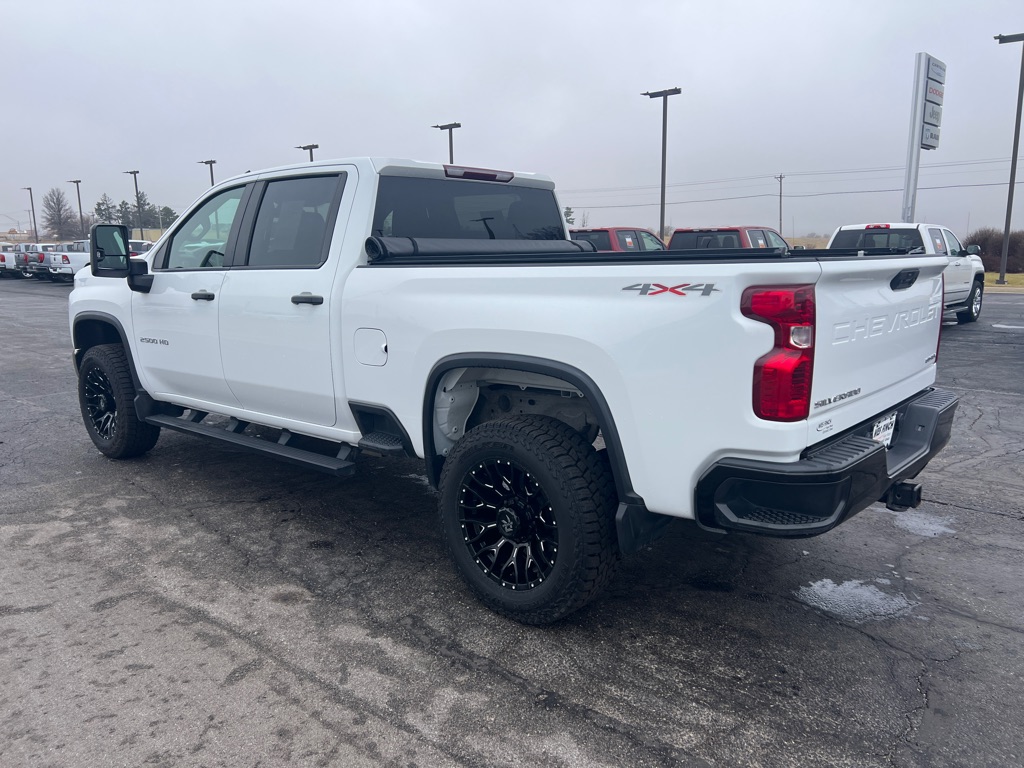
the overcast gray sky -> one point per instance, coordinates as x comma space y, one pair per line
811, 90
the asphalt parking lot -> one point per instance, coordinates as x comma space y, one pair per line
201, 606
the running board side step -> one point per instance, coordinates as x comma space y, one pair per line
337, 466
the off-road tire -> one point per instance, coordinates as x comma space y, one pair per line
106, 395
973, 311
532, 452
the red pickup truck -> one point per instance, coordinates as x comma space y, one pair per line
619, 239
726, 237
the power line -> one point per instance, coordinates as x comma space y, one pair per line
810, 194
766, 177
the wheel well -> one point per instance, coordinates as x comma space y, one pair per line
91, 331
460, 397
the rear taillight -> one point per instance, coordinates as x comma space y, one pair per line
3, 259
65, 260
39, 258
782, 378
132, 255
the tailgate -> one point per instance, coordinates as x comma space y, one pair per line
878, 321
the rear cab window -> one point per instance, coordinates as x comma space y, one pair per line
722, 238
412, 206
600, 238
894, 237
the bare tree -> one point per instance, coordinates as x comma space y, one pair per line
58, 216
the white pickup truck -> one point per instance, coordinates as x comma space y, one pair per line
67, 258
964, 275
325, 311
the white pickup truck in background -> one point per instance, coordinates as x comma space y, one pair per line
326, 311
964, 275
67, 259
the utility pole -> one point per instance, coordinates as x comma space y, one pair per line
663, 95
1013, 162
78, 191
35, 230
451, 143
309, 147
779, 178
212, 162
138, 202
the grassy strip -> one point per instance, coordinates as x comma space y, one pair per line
1015, 280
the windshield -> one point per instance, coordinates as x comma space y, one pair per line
474, 210
906, 237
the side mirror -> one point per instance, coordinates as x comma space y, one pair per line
973, 250
108, 250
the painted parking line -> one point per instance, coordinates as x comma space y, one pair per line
1011, 327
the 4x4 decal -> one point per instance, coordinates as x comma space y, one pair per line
654, 289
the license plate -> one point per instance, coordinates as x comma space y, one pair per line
882, 431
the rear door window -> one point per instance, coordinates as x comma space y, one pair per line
410, 206
937, 242
775, 241
757, 238
627, 239
292, 222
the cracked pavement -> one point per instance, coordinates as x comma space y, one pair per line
202, 606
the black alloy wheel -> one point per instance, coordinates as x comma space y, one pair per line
508, 524
100, 403
527, 512
106, 395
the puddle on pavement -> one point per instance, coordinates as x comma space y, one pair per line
854, 601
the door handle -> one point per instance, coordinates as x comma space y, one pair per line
202, 296
307, 298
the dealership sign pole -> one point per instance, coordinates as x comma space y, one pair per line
925, 119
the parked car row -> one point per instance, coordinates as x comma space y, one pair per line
51, 261
963, 278
635, 239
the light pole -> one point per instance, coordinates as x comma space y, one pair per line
138, 202
210, 163
451, 144
78, 191
779, 178
35, 230
309, 147
1013, 161
663, 95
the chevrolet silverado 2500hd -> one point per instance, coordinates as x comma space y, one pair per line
374, 306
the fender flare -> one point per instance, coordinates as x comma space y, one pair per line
112, 321
554, 368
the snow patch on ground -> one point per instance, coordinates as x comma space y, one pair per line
854, 601
921, 523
